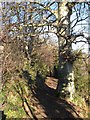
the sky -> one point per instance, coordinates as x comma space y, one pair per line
82, 27
81, 45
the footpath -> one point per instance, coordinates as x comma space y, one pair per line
47, 105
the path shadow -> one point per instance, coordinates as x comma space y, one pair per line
54, 107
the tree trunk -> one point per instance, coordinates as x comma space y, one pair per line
65, 87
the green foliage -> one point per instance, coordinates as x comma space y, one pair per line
80, 103
14, 107
15, 114
89, 111
78, 100
11, 94
81, 77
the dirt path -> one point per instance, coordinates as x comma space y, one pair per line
47, 105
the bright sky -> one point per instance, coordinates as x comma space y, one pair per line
77, 46
82, 45
84, 27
